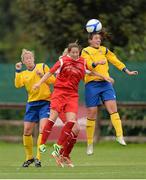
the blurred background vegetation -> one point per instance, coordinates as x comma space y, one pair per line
47, 26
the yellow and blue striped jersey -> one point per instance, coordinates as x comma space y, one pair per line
92, 55
28, 78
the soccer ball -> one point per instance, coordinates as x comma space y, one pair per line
93, 25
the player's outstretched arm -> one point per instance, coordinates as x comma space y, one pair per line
109, 79
42, 80
127, 71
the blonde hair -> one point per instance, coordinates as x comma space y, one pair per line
65, 52
25, 51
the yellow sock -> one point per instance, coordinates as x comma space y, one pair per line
28, 146
90, 129
38, 156
116, 121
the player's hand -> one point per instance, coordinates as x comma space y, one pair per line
112, 80
18, 65
102, 62
36, 86
132, 73
39, 73
109, 79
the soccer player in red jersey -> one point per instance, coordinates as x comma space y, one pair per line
71, 70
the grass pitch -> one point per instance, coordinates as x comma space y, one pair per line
110, 161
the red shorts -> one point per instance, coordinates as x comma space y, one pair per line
63, 101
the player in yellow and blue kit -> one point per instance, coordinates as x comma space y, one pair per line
97, 90
38, 105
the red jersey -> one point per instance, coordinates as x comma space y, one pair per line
70, 72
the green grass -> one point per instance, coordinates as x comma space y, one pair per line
110, 161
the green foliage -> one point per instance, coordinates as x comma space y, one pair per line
11, 114
48, 26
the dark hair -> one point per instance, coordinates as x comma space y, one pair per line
72, 45
103, 33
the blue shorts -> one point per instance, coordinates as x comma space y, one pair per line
37, 110
97, 92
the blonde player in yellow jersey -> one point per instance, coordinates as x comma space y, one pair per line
97, 90
38, 104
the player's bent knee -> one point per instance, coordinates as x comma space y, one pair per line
91, 114
27, 132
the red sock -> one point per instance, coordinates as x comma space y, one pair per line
66, 144
46, 131
65, 133
69, 146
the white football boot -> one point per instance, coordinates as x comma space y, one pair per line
121, 140
89, 149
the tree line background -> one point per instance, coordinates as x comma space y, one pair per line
47, 26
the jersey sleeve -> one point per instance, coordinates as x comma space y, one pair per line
87, 71
111, 57
19, 80
88, 59
56, 66
51, 80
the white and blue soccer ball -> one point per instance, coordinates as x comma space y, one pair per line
93, 25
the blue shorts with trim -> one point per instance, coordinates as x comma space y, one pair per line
97, 92
37, 110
